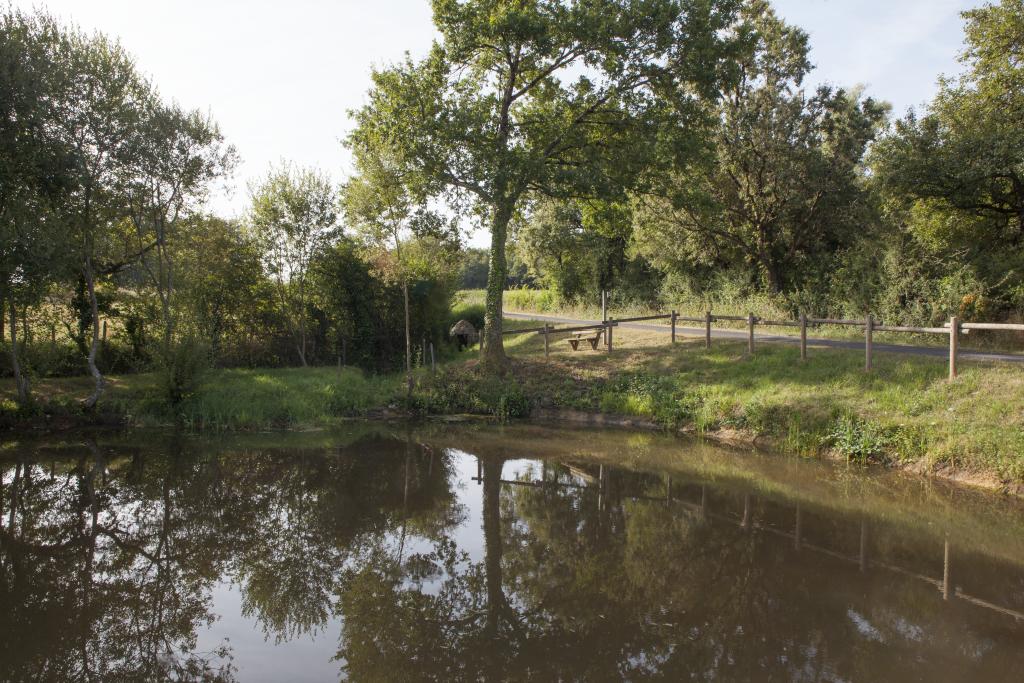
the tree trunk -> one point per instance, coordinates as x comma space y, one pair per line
302, 336
408, 341
774, 278
90, 282
300, 348
20, 381
494, 349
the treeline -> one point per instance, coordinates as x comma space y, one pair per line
109, 261
665, 150
817, 200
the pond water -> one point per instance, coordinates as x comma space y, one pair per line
468, 553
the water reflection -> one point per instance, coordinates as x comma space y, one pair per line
407, 556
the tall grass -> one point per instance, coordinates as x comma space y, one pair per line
292, 397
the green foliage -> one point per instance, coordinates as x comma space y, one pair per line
777, 194
579, 249
355, 306
295, 397
542, 98
858, 439
181, 370
471, 312
294, 217
657, 396
952, 176
539, 300
469, 390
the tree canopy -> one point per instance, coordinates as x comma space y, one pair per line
546, 98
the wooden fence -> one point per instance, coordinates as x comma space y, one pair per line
953, 329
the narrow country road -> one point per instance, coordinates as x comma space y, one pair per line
938, 352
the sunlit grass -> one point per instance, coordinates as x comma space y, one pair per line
904, 410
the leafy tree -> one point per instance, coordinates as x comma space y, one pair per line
33, 173
582, 248
778, 192
954, 175
520, 99
356, 305
179, 155
99, 98
220, 279
474, 269
380, 207
294, 216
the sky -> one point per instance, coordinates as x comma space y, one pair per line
280, 76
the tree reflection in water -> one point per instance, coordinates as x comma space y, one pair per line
109, 556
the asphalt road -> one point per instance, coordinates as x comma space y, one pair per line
938, 352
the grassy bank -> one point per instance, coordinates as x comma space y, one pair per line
225, 400
904, 413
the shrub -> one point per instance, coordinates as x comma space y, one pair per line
468, 391
181, 370
658, 397
859, 439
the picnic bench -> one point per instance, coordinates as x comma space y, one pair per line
593, 337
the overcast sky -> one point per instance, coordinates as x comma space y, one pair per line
280, 75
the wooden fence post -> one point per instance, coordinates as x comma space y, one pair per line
954, 346
750, 333
707, 329
869, 330
674, 315
547, 350
803, 336
433, 360
610, 324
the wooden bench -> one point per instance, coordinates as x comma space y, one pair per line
592, 337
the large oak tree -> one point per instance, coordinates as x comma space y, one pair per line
528, 98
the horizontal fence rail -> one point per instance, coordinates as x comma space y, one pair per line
525, 330
582, 328
992, 326
665, 316
953, 329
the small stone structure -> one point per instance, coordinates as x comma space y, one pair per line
464, 332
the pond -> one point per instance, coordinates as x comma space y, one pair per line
401, 553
